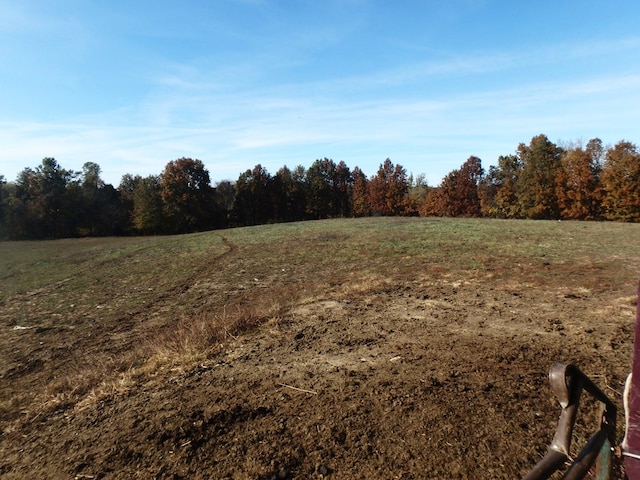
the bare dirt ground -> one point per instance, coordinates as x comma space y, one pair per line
427, 374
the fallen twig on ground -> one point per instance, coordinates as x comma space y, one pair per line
298, 389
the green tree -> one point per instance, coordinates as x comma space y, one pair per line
147, 205
290, 191
254, 197
100, 212
225, 196
541, 160
621, 182
3, 195
320, 181
187, 195
91, 175
499, 188
342, 190
48, 213
4, 208
126, 194
13, 225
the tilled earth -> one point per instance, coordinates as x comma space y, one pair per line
425, 377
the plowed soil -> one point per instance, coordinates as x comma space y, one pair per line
393, 368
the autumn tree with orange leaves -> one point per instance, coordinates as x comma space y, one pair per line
360, 194
578, 186
621, 183
457, 195
388, 190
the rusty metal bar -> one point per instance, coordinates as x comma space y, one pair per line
567, 383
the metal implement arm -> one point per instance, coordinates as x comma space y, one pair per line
568, 383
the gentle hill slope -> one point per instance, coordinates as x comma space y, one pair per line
370, 348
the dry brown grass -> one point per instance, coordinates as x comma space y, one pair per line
190, 343
193, 339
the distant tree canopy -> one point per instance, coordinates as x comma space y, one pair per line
540, 180
458, 194
52, 202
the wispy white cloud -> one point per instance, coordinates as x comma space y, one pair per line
454, 67
233, 133
269, 106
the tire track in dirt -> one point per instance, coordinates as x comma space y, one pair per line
126, 332
84, 347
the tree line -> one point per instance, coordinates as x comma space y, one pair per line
540, 180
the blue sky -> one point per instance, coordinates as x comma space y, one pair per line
132, 85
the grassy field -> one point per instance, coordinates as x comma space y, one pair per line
344, 244
89, 321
